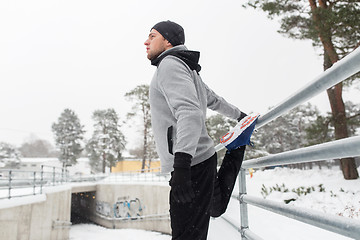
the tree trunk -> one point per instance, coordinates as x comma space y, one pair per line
334, 93
145, 140
104, 162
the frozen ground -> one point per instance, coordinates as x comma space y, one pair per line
337, 196
93, 232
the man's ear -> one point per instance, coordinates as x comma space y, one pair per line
168, 44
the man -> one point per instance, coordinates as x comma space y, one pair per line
178, 102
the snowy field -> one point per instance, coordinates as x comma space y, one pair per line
329, 193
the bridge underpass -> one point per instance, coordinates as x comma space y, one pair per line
82, 197
122, 205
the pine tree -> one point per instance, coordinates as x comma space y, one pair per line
217, 126
9, 156
107, 142
287, 132
334, 27
353, 117
140, 97
322, 129
68, 137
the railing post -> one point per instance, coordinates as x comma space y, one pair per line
53, 176
41, 178
10, 173
244, 220
34, 183
67, 175
62, 175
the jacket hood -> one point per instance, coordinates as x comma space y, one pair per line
191, 58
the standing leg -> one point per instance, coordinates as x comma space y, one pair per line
190, 221
225, 180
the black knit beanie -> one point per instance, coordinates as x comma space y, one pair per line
171, 31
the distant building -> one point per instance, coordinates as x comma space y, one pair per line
34, 164
129, 164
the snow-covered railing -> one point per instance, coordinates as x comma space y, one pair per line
19, 183
349, 147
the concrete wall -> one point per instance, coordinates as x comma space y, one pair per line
109, 205
131, 206
39, 220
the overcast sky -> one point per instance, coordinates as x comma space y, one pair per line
85, 55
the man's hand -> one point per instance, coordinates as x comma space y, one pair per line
181, 188
242, 115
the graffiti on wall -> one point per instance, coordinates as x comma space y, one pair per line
103, 208
124, 208
128, 209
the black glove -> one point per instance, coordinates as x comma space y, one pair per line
242, 115
181, 188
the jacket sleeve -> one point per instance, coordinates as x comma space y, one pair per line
177, 86
220, 105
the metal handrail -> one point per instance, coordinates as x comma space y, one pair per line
349, 147
343, 148
12, 179
57, 175
339, 72
345, 226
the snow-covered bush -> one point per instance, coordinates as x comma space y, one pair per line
282, 193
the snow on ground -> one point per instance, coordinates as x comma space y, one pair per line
94, 232
331, 193
338, 196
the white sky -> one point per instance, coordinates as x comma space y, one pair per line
85, 55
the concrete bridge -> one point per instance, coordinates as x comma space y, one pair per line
113, 205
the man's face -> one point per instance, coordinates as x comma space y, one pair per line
156, 44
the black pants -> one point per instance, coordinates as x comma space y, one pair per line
212, 189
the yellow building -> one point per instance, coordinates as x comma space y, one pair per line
128, 165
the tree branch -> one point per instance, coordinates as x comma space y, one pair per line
353, 116
357, 45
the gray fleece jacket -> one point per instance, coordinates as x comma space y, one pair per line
178, 102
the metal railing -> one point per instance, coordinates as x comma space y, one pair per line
19, 183
349, 147
147, 175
